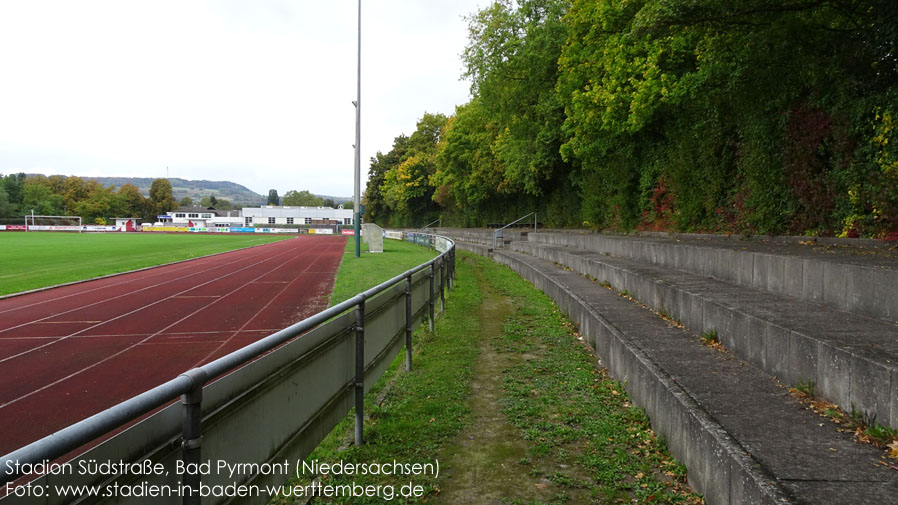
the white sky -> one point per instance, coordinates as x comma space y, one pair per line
257, 92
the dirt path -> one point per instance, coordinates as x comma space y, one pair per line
485, 465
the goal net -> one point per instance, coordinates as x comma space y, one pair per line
53, 223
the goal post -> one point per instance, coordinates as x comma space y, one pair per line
34, 222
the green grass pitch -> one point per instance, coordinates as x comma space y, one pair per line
358, 274
39, 259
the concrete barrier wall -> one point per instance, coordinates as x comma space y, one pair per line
866, 290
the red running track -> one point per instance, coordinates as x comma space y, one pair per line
70, 352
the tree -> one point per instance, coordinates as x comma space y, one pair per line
133, 203
328, 203
512, 60
161, 196
302, 198
376, 209
273, 198
6, 208
14, 184
470, 180
186, 202
40, 198
407, 190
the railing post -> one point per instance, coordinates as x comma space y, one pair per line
192, 436
452, 268
431, 297
408, 323
449, 271
443, 284
360, 372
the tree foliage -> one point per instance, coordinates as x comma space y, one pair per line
302, 198
400, 190
498, 157
273, 198
758, 116
161, 196
73, 196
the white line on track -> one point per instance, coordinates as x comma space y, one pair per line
259, 311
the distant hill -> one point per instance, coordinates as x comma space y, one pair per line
233, 192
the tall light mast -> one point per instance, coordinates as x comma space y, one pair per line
357, 198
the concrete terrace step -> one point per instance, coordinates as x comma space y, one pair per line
852, 359
482, 236
742, 437
863, 280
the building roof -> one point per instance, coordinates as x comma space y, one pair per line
198, 209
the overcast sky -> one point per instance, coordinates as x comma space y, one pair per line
257, 92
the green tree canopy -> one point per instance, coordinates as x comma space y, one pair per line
161, 196
133, 203
407, 190
302, 198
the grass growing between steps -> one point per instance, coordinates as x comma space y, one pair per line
576, 438
583, 431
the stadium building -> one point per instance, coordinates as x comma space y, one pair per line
277, 215
203, 217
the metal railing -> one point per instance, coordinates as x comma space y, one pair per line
498, 235
273, 399
426, 227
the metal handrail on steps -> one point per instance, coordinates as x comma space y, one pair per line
498, 234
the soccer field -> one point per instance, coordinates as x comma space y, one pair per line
35, 260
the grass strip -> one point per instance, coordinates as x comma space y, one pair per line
41, 259
579, 422
575, 420
370, 269
410, 415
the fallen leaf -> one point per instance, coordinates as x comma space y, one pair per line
893, 449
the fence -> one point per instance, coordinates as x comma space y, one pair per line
261, 406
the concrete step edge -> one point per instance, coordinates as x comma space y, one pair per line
868, 290
719, 465
849, 377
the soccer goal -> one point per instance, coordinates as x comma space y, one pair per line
52, 223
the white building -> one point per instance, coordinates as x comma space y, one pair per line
204, 217
278, 215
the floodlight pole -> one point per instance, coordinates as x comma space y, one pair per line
356, 201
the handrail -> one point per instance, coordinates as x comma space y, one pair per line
426, 226
498, 233
190, 383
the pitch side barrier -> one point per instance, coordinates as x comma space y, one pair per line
244, 420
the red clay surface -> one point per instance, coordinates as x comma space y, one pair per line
70, 352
